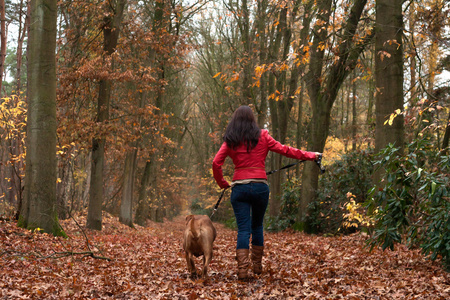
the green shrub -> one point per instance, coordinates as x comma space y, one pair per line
230, 223
413, 201
351, 174
224, 213
289, 207
197, 208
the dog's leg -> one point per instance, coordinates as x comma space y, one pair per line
206, 260
191, 265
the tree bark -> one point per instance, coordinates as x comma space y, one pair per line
388, 74
126, 207
370, 120
16, 181
143, 209
412, 55
320, 119
247, 59
445, 140
354, 116
38, 209
262, 42
3, 39
275, 91
22, 33
111, 31
299, 137
347, 117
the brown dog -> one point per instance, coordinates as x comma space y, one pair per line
199, 236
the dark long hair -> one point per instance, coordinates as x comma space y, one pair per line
242, 129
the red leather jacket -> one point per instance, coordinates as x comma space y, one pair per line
251, 165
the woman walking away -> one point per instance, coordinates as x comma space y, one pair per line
248, 145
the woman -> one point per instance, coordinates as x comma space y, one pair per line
248, 145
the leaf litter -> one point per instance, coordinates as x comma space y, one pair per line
148, 263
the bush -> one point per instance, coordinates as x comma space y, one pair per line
289, 207
197, 208
350, 175
413, 202
224, 213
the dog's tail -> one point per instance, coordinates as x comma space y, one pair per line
193, 230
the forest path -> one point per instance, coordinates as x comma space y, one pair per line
148, 263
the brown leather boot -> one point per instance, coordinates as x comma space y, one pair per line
243, 260
257, 254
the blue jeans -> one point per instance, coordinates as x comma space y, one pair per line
249, 203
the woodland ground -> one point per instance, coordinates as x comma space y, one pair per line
148, 263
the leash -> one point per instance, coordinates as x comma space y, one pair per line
218, 202
318, 162
285, 167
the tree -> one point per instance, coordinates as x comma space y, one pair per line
389, 74
283, 89
22, 32
3, 39
111, 29
354, 115
323, 87
38, 209
126, 207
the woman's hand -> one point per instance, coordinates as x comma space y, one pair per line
318, 154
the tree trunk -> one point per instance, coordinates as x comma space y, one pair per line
63, 190
3, 38
275, 91
16, 182
150, 176
143, 209
38, 209
94, 217
445, 140
126, 207
262, 109
354, 116
247, 61
370, 121
323, 91
299, 71
347, 118
111, 31
87, 182
388, 74
320, 120
341, 119
22, 33
412, 56
299, 125
155, 204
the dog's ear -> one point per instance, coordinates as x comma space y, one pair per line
188, 218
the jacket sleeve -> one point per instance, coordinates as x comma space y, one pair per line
287, 151
218, 161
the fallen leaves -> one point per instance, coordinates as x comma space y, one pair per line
148, 263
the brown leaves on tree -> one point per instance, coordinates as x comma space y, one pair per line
148, 263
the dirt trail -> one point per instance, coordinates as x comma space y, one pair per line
148, 263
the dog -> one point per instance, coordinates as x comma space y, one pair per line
199, 237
